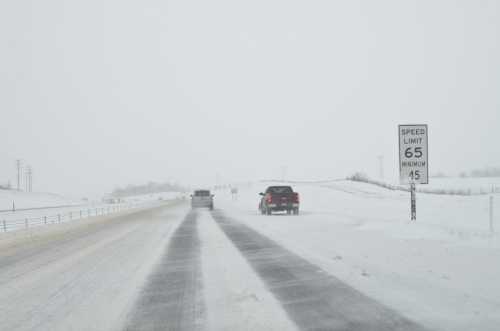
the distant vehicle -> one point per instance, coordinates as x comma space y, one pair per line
202, 199
279, 198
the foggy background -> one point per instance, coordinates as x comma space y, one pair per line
97, 94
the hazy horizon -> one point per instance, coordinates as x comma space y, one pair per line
100, 94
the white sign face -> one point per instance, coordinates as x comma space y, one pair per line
413, 154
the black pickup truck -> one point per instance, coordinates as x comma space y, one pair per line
279, 198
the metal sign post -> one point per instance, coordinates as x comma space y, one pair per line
413, 159
413, 202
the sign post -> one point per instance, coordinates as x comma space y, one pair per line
413, 159
413, 202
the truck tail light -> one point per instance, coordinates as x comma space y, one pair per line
296, 198
269, 198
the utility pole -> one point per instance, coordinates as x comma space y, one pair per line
31, 179
217, 180
381, 166
28, 179
18, 166
283, 173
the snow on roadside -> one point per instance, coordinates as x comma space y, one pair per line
441, 271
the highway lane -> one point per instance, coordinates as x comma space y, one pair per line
313, 299
86, 277
171, 268
172, 298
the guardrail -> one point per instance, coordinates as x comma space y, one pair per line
13, 223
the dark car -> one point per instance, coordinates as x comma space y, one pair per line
279, 198
202, 198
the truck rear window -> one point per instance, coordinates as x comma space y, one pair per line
201, 193
279, 189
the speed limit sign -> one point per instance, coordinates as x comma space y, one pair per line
413, 154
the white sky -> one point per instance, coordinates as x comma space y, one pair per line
100, 93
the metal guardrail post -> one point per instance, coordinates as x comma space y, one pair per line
26, 223
80, 214
45, 219
59, 218
70, 215
4, 226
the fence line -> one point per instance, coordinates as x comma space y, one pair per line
449, 191
68, 216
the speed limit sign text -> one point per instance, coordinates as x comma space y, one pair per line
413, 156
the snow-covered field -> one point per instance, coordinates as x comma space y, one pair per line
480, 185
154, 196
455, 185
441, 271
24, 200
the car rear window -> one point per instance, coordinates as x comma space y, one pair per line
202, 193
279, 189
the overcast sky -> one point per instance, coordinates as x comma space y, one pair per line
100, 93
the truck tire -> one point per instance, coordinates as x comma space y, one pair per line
288, 211
268, 211
295, 211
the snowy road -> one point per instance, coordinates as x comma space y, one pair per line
84, 278
173, 298
170, 268
313, 299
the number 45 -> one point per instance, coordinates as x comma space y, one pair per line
414, 175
